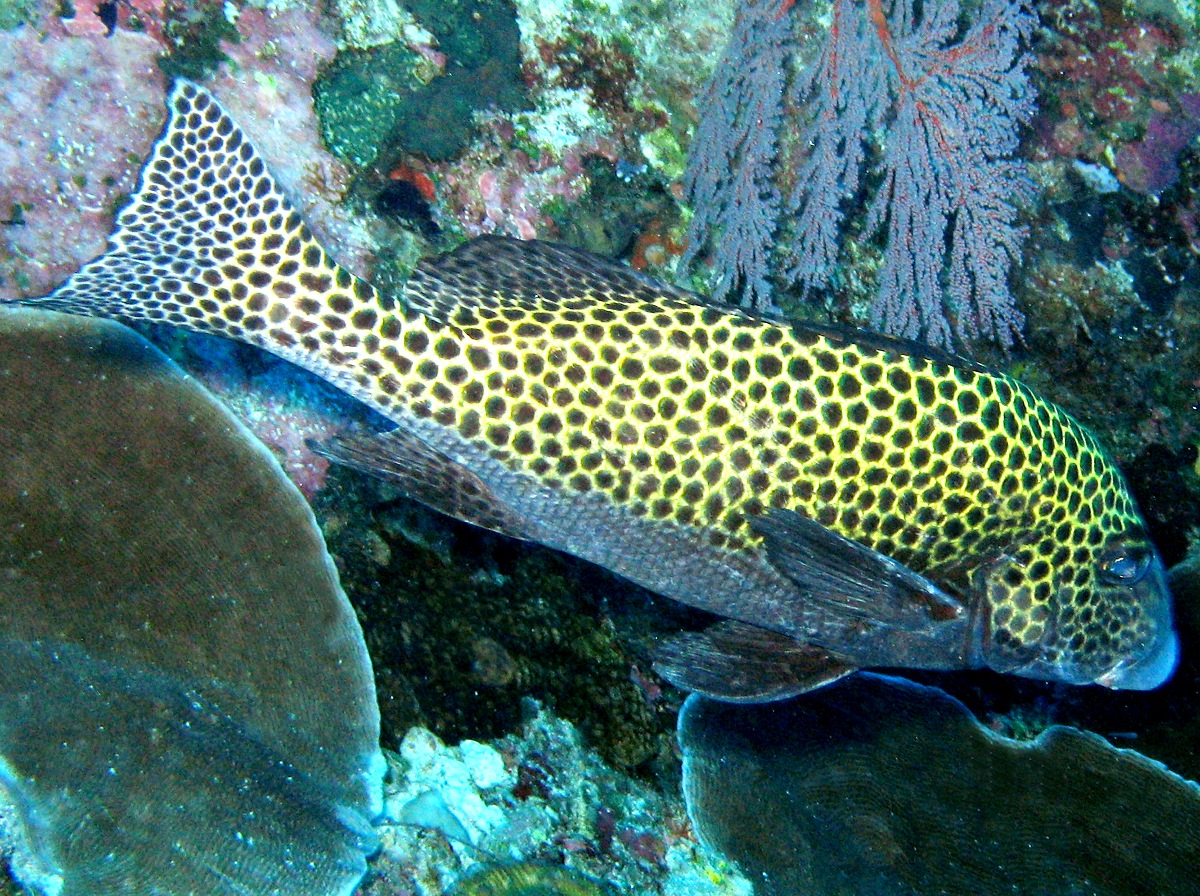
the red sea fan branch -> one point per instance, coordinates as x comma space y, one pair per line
952, 195
900, 87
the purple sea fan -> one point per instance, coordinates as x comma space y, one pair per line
947, 114
900, 86
730, 178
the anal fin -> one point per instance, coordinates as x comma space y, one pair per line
426, 475
739, 663
852, 580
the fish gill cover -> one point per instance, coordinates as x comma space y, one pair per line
876, 785
186, 703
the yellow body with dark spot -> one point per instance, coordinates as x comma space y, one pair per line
528, 879
632, 401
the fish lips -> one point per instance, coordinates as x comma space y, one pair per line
1153, 666
1146, 672
1142, 670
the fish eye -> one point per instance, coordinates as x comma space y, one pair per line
1124, 566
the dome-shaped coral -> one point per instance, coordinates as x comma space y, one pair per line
877, 785
186, 703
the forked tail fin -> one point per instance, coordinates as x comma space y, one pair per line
209, 242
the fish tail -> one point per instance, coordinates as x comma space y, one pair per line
209, 242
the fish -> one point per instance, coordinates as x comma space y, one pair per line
837, 499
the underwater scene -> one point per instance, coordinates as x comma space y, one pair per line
599, 447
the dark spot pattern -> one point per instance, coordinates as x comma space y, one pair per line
603, 383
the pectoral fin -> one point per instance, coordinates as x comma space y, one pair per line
426, 475
851, 579
740, 663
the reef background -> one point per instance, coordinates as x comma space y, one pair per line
371, 114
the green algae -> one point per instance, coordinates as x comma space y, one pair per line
371, 100
473, 33
362, 97
14, 13
607, 219
665, 153
463, 625
196, 43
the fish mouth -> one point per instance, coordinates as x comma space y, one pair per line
1152, 667
1146, 672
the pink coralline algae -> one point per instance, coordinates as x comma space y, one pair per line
285, 423
495, 188
1108, 80
1151, 165
81, 112
88, 22
284, 407
267, 88
506, 202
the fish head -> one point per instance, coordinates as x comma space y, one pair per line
1102, 616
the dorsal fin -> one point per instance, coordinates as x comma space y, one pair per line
496, 271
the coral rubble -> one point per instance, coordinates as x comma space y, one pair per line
539, 798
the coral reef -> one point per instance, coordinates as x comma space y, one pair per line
935, 102
287, 408
69, 155
587, 145
1104, 75
360, 98
463, 625
878, 785
1151, 165
458, 818
170, 615
82, 112
1109, 286
608, 90
379, 97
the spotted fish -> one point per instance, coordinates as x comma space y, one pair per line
839, 499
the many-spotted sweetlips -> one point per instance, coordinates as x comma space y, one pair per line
839, 498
